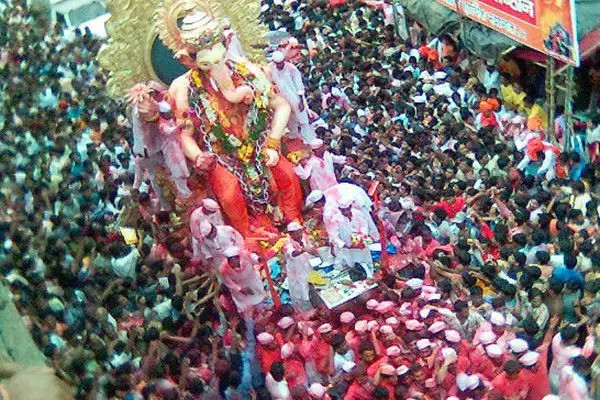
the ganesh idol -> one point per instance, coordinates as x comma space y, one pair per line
232, 124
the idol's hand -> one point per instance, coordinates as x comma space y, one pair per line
205, 162
272, 157
248, 94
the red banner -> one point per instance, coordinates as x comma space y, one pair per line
547, 26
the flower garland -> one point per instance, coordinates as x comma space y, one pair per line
360, 241
256, 122
276, 248
243, 157
296, 156
317, 233
318, 236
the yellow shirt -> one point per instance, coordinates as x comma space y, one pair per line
512, 99
486, 290
537, 112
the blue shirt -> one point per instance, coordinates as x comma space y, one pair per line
564, 275
48, 99
576, 171
402, 118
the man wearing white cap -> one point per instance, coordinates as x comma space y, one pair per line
488, 75
518, 347
235, 50
315, 226
442, 87
536, 366
487, 357
211, 242
291, 48
357, 221
171, 148
240, 275
496, 325
537, 379
288, 80
345, 226
314, 198
298, 267
357, 197
294, 367
346, 191
319, 167
208, 211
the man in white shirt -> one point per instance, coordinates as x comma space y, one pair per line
565, 349
346, 227
361, 128
240, 275
235, 51
146, 140
441, 229
319, 167
387, 8
573, 385
298, 266
489, 76
213, 241
549, 151
287, 78
441, 87
276, 383
48, 99
124, 264
208, 211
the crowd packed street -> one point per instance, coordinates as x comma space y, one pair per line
490, 289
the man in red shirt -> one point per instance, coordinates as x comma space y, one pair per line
323, 352
267, 351
535, 374
368, 355
336, 3
362, 386
451, 204
536, 366
489, 364
295, 374
512, 383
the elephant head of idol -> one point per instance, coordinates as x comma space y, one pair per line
203, 50
201, 36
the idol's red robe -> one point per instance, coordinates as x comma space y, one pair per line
226, 187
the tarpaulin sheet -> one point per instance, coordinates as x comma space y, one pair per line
480, 40
483, 41
436, 18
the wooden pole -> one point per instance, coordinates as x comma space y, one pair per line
570, 130
263, 254
271, 284
550, 97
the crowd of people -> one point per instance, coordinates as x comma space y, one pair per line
492, 290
